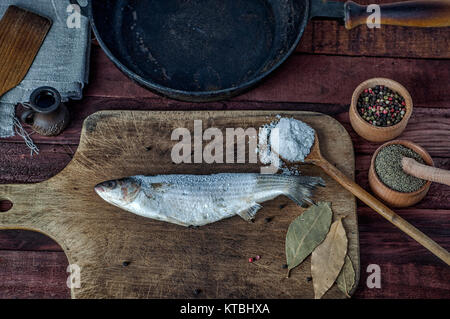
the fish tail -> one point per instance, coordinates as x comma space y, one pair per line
300, 189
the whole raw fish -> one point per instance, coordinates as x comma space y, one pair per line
196, 200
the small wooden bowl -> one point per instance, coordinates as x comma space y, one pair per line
371, 132
390, 196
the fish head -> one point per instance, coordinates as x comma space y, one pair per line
119, 192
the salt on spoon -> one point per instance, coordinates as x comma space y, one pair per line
289, 137
292, 139
315, 157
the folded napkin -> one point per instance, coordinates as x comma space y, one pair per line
62, 62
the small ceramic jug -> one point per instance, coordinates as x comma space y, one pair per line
47, 115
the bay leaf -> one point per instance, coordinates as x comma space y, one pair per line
346, 279
328, 259
306, 232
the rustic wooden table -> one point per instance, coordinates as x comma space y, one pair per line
320, 76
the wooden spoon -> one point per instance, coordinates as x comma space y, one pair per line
316, 158
429, 173
21, 36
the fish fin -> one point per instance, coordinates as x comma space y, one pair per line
249, 214
301, 191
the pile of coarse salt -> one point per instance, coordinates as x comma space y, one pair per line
287, 138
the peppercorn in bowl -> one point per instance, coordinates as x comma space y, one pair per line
380, 109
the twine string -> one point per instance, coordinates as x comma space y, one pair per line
26, 137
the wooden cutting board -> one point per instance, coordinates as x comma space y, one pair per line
166, 260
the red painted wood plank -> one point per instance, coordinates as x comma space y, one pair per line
89, 105
331, 37
16, 165
45, 277
422, 122
307, 79
33, 275
405, 281
397, 280
26, 241
379, 239
407, 269
427, 127
20, 168
435, 222
332, 79
388, 244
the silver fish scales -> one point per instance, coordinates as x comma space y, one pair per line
197, 200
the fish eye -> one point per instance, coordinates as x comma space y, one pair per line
110, 184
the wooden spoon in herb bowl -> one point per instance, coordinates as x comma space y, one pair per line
429, 173
316, 158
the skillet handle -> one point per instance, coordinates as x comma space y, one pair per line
423, 13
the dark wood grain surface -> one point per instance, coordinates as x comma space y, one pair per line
321, 76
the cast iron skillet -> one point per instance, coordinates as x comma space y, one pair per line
205, 50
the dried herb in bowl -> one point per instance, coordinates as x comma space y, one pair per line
388, 166
381, 106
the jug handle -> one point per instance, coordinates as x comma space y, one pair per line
27, 117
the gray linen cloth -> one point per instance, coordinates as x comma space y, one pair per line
62, 62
